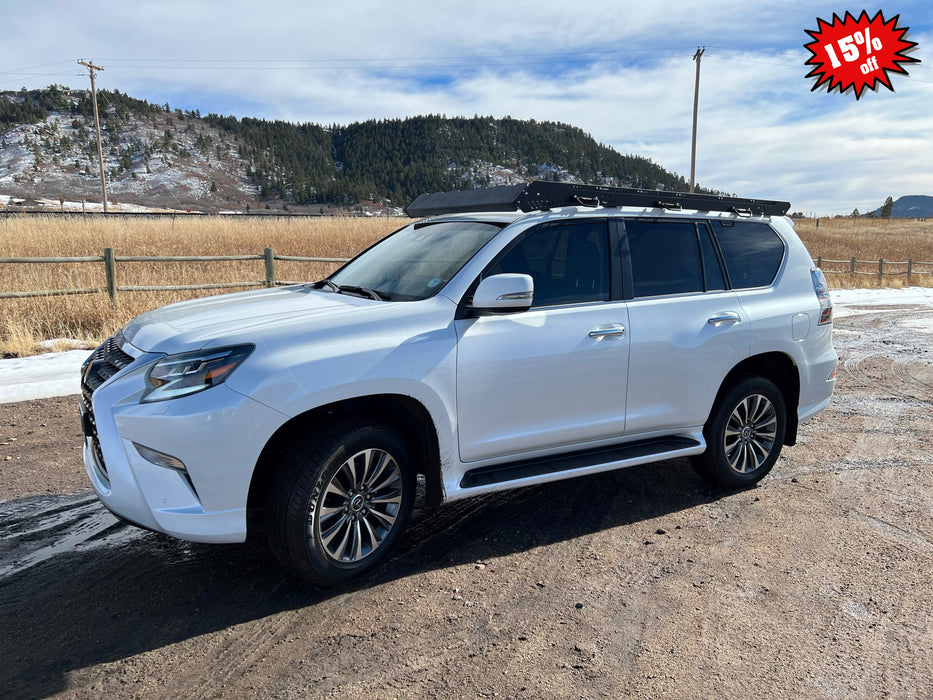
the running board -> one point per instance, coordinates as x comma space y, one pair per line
513, 471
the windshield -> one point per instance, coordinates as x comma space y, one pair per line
417, 261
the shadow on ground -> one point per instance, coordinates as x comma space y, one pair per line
133, 591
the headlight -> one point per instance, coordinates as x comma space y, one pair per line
191, 372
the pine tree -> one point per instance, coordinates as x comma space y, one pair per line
887, 207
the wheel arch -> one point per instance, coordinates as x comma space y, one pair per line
778, 368
404, 414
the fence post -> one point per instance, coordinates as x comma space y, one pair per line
880, 269
910, 268
819, 262
270, 267
852, 266
110, 269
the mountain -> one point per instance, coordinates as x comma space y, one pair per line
911, 206
157, 156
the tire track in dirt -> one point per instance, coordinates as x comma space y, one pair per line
734, 585
887, 371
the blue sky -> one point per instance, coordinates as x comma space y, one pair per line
620, 71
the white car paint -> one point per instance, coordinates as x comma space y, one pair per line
524, 385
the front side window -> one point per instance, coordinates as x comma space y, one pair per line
665, 257
569, 263
751, 250
417, 261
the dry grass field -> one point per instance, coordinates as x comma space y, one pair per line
91, 317
894, 240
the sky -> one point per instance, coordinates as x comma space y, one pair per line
623, 72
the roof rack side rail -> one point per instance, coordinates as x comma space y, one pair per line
542, 196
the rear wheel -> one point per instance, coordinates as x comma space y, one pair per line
340, 502
744, 434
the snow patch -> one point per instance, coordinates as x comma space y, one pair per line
41, 376
875, 297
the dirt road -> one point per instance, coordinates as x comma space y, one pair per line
643, 583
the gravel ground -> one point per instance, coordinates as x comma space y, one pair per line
645, 582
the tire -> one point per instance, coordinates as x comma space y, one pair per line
744, 434
340, 502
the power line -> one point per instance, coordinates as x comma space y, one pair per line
473, 57
41, 75
41, 65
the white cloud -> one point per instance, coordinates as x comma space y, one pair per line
623, 73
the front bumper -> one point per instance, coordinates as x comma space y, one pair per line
218, 434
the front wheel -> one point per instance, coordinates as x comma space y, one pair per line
340, 502
744, 434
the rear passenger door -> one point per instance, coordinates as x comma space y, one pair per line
687, 330
753, 254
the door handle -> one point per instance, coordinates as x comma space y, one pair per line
608, 331
728, 318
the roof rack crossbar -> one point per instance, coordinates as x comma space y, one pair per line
543, 196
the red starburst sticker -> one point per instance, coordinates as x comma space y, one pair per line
858, 53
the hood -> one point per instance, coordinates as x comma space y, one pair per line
190, 325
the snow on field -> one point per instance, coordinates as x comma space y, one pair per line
41, 376
880, 297
57, 374
845, 302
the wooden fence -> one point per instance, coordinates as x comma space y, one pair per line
877, 268
110, 260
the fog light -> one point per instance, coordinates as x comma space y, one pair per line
160, 458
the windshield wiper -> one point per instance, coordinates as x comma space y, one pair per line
364, 291
327, 283
351, 289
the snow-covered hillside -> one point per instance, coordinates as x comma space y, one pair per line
165, 159
161, 157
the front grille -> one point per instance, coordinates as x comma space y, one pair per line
106, 361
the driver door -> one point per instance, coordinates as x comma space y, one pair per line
555, 375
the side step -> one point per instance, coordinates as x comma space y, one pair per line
499, 473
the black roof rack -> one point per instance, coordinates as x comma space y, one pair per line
542, 196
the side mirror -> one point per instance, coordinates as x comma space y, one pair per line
504, 293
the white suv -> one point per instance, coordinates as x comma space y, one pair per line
520, 335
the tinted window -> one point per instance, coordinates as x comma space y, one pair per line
711, 269
665, 257
569, 263
751, 250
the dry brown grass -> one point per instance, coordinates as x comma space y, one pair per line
894, 240
91, 317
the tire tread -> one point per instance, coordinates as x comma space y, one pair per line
294, 483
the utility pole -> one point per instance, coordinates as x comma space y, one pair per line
100, 149
696, 104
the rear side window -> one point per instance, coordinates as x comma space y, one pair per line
751, 250
665, 257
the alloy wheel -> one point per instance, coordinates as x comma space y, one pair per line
359, 506
750, 433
